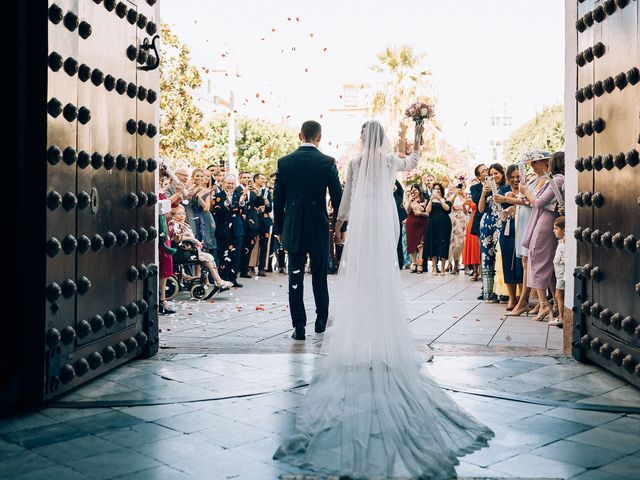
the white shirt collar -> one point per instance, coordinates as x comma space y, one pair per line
306, 144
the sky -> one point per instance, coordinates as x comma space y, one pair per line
287, 60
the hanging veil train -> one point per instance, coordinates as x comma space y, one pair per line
371, 411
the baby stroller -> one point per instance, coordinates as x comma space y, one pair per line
185, 261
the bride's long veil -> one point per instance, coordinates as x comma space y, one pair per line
370, 411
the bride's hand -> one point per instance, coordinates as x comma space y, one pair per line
338, 237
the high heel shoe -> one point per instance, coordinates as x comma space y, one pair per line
518, 313
545, 310
164, 310
414, 268
419, 270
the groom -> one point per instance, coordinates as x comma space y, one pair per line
301, 219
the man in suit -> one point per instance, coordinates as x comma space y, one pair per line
229, 230
481, 171
263, 206
249, 222
301, 218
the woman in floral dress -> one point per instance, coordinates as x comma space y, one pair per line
490, 226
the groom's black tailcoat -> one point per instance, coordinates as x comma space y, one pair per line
301, 218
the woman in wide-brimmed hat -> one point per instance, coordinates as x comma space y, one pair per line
539, 161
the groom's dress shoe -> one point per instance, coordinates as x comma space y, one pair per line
298, 334
321, 325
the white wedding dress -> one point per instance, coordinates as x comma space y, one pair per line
371, 410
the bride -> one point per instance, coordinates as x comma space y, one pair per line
371, 411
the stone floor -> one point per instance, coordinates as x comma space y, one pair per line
224, 388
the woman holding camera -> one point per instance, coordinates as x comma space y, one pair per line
438, 234
490, 226
416, 207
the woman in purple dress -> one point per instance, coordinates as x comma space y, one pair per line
539, 237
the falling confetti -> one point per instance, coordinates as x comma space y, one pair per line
324, 49
273, 29
311, 35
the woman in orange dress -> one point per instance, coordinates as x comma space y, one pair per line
471, 251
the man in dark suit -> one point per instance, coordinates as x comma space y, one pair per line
480, 172
263, 207
227, 211
398, 196
301, 218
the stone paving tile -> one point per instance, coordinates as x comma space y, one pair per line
24, 422
113, 464
56, 472
158, 473
596, 474
156, 412
104, 422
66, 414
587, 417
600, 437
23, 463
524, 465
176, 449
628, 425
586, 456
137, 434
46, 435
191, 422
626, 467
72, 450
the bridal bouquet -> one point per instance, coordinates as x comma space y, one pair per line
419, 112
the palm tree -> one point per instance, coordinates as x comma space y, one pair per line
404, 80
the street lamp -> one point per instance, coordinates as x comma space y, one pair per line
229, 105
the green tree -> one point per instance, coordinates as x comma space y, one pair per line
262, 143
404, 79
259, 144
180, 119
544, 132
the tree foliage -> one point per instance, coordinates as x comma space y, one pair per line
544, 132
404, 79
259, 144
180, 119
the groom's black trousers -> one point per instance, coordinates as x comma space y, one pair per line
319, 265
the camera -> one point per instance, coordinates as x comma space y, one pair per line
459, 185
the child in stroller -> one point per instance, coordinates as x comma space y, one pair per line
182, 236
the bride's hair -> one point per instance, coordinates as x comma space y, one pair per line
366, 124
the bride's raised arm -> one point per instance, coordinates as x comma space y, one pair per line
410, 162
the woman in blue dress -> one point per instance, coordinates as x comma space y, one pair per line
490, 227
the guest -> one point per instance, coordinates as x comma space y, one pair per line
539, 238
415, 206
265, 222
458, 227
229, 231
490, 225
427, 184
438, 231
558, 268
203, 221
165, 252
511, 264
481, 171
181, 232
539, 161
249, 217
471, 250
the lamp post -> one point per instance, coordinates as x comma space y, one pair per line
229, 105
